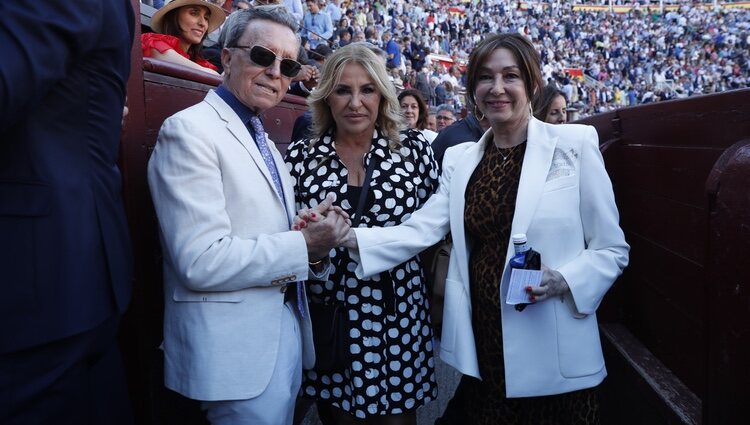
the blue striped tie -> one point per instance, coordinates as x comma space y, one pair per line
265, 152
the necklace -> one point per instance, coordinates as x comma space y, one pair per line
509, 150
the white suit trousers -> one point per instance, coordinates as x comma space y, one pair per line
275, 406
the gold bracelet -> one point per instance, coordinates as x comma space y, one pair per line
315, 263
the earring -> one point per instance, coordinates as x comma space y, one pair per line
531, 109
478, 114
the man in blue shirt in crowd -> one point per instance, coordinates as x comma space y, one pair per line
316, 25
392, 48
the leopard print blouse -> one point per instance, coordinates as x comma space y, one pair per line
490, 205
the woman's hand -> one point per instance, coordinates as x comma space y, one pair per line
350, 240
553, 284
312, 215
306, 216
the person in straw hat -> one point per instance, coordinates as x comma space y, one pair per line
180, 28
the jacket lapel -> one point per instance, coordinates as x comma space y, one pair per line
287, 182
243, 137
459, 181
536, 163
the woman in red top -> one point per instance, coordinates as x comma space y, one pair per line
180, 28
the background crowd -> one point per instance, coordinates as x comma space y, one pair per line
602, 60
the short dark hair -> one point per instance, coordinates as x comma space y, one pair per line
321, 52
522, 49
369, 32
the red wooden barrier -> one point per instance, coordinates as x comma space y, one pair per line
668, 341
728, 287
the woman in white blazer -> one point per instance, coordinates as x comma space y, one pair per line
523, 176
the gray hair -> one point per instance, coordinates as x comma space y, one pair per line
237, 22
445, 107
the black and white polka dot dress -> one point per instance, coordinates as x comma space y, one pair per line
392, 367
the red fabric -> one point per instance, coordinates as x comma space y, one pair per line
163, 42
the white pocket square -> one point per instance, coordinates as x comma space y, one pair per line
563, 164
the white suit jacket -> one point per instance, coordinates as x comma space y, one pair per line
566, 207
228, 252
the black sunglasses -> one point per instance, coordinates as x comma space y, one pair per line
264, 57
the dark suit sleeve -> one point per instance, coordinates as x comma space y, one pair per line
301, 129
41, 39
65, 252
463, 130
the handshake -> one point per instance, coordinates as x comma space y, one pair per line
324, 227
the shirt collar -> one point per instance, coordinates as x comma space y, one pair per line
325, 146
238, 107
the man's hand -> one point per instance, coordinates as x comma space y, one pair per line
307, 215
326, 228
307, 74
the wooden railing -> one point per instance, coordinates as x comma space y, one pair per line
677, 316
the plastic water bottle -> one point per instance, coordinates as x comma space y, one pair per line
520, 246
524, 258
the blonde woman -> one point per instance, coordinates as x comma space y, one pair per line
358, 154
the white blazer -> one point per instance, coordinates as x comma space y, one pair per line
566, 207
228, 252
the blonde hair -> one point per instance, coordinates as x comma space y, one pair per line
389, 120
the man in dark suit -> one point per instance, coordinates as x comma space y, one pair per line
469, 129
65, 256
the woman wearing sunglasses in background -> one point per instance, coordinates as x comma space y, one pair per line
180, 28
356, 141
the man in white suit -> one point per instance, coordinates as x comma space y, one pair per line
236, 325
